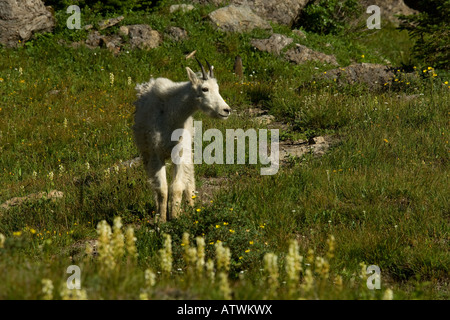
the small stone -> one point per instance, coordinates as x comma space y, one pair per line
181, 7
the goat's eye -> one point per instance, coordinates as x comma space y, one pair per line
205, 89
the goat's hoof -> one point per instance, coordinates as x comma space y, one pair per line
160, 219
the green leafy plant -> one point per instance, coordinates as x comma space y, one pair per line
328, 16
431, 31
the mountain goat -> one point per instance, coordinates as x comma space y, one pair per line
162, 107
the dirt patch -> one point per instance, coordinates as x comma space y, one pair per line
316, 146
17, 201
209, 186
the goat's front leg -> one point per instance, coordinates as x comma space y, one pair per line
156, 171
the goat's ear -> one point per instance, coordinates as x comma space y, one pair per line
192, 76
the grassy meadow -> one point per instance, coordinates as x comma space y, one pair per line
379, 197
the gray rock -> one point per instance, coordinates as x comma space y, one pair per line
371, 74
94, 39
238, 19
301, 54
176, 34
275, 44
123, 31
109, 22
299, 33
283, 12
19, 20
143, 37
181, 7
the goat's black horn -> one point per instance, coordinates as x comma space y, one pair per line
205, 76
211, 69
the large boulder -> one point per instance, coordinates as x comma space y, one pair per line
238, 19
19, 20
283, 12
301, 54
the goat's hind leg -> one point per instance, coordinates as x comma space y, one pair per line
156, 171
189, 190
182, 183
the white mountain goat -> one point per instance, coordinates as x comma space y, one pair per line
162, 107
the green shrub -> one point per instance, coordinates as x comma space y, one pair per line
333, 16
431, 30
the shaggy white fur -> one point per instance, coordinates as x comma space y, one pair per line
164, 106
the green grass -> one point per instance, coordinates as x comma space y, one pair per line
382, 191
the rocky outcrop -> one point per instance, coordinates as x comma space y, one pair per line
275, 44
237, 19
139, 36
142, 36
19, 20
301, 54
373, 75
283, 12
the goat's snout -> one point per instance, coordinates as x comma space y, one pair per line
225, 112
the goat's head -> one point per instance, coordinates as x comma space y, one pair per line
207, 93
